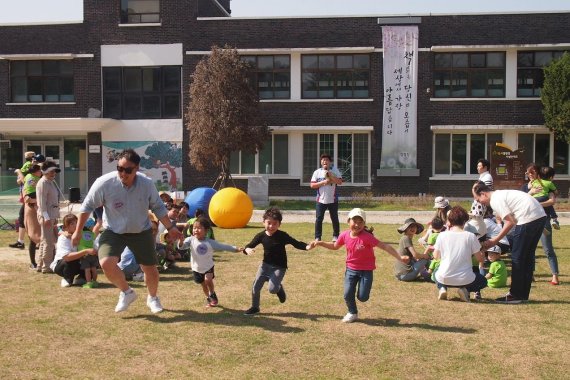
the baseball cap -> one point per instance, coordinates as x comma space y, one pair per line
39, 158
357, 212
496, 249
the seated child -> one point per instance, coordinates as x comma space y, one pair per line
169, 254
202, 257
413, 263
436, 226
89, 263
546, 186
497, 276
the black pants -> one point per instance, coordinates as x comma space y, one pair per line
69, 269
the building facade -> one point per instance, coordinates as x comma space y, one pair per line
81, 92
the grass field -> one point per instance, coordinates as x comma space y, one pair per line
404, 332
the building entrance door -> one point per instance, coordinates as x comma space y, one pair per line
52, 150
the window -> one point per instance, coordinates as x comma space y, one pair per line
530, 71
536, 148
335, 76
41, 81
350, 154
469, 75
270, 75
457, 153
272, 159
141, 92
561, 158
140, 11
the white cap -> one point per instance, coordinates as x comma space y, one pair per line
440, 202
357, 212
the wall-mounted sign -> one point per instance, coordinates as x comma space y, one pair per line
507, 167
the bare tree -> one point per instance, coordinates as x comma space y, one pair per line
223, 113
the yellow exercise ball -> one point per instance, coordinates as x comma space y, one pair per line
230, 208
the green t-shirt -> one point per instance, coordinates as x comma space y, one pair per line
30, 182
547, 187
26, 168
499, 271
87, 239
433, 265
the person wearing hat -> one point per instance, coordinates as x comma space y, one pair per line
360, 260
20, 176
497, 275
442, 207
31, 222
325, 180
415, 263
47, 196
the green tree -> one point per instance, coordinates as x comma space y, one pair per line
555, 97
223, 112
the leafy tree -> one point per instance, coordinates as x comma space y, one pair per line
223, 113
555, 97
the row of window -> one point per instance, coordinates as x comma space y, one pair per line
154, 92
350, 152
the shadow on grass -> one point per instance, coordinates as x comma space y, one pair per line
225, 317
425, 326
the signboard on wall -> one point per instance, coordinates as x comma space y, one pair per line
507, 167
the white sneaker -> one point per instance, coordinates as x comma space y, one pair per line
64, 283
349, 318
79, 281
463, 294
125, 299
138, 277
442, 293
154, 304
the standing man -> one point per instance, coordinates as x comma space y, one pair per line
325, 180
126, 197
477, 213
47, 198
527, 216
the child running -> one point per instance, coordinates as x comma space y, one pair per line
360, 260
202, 257
274, 265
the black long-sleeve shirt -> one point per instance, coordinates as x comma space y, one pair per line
274, 247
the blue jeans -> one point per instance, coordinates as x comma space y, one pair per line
266, 273
525, 240
479, 283
353, 279
546, 241
417, 268
333, 212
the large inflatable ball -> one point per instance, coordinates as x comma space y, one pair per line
199, 198
230, 208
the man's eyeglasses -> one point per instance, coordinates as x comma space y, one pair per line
121, 169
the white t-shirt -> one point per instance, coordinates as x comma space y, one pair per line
202, 252
487, 178
493, 229
522, 206
326, 194
456, 249
62, 249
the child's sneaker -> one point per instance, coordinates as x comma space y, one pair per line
251, 311
88, 285
555, 224
478, 296
282, 295
349, 318
213, 300
64, 283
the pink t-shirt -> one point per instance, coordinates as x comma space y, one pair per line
359, 250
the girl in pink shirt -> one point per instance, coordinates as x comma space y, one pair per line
360, 260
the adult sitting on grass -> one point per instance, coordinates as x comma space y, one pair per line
67, 261
416, 263
454, 248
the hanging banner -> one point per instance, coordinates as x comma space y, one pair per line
399, 129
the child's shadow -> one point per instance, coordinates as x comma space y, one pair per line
225, 317
396, 323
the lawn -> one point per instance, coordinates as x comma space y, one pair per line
404, 331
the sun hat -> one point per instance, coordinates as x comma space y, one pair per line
408, 223
440, 202
357, 212
29, 155
495, 249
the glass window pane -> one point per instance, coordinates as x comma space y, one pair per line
66, 67
442, 60
442, 84
442, 153
132, 79
459, 154
360, 168
459, 84
310, 86
151, 79
460, 60
171, 78
344, 61
344, 157
326, 145
264, 85
496, 83
477, 151
360, 83
496, 59
34, 67
343, 84
361, 61
561, 157
19, 89
479, 84
526, 145
282, 61
132, 106
17, 68
542, 58
250, 59
265, 62
234, 162
310, 62
525, 59
35, 89
282, 85
247, 163
51, 90
542, 150
151, 106
112, 106
171, 106
50, 67
477, 59
326, 61
111, 79
66, 90
310, 155
281, 154
265, 157
326, 85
